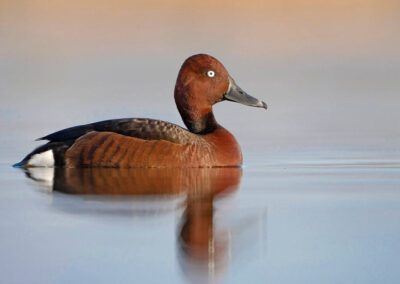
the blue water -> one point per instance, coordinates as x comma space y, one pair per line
291, 220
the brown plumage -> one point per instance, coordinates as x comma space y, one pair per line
107, 149
136, 142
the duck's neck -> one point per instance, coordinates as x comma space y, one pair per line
200, 122
194, 106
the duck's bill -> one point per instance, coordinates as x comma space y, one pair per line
236, 94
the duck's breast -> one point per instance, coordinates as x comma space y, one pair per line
225, 149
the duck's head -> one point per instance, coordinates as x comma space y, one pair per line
202, 82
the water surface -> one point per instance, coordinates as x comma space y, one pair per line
328, 221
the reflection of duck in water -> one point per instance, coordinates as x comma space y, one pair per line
137, 181
203, 249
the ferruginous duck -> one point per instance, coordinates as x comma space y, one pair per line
138, 142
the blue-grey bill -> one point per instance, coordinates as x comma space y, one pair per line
236, 94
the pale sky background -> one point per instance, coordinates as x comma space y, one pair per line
329, 70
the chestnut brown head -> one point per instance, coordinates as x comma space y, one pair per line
202, 82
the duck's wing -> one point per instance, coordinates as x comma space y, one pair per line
147, 129
72, 146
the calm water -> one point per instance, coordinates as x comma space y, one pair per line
292, 220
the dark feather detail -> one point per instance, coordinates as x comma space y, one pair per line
148, 129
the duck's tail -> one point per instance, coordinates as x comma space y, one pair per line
42, 156
48, 155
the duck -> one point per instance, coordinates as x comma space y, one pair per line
149, 143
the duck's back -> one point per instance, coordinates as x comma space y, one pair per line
144, 128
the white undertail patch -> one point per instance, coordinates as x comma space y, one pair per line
44, 159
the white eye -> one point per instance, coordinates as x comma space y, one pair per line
210, 73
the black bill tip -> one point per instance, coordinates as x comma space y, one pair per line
264, 105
